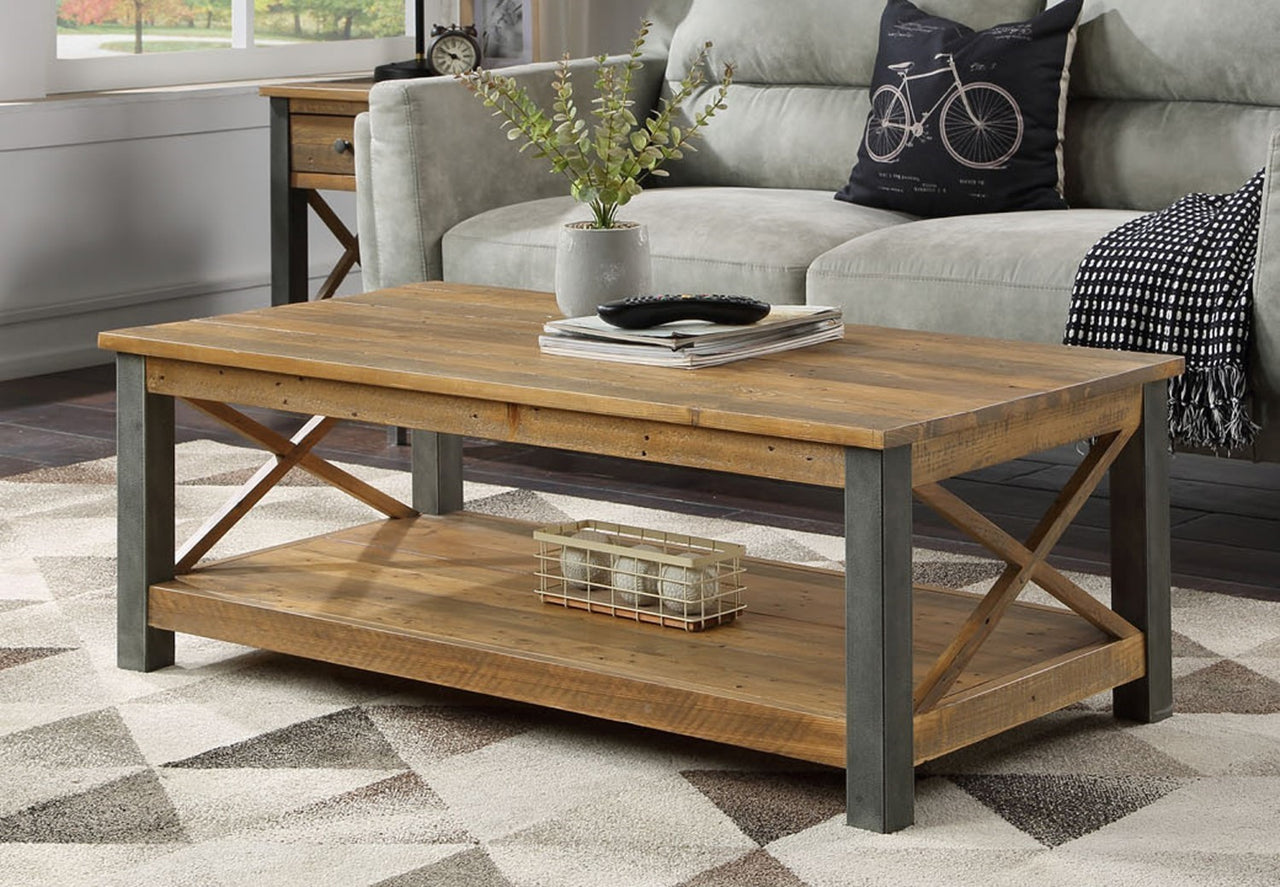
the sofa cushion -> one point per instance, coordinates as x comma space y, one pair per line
805, 70
1007, 275
993, 143
1178, 50
751, 241
1146, 155
1168, 98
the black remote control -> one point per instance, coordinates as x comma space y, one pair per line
642, 312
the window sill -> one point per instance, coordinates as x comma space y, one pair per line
183, 89
80, 118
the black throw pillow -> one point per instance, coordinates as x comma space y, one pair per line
965, 121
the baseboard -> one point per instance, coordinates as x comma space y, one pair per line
106, 305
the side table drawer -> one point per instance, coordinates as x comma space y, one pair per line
312, 140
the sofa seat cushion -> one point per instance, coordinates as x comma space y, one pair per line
750, 241
1007, 275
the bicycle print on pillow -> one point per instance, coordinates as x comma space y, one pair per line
980, 123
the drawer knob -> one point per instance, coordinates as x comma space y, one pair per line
341, 146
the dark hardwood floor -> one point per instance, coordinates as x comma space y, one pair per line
1225, 513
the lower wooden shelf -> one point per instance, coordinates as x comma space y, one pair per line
450, 600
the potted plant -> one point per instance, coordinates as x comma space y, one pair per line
605, 162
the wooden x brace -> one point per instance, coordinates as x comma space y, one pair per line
288, 452
350, 245
1025, 563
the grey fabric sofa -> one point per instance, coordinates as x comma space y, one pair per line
1168, 97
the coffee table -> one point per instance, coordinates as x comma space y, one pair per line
437, 594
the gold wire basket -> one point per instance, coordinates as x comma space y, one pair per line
653, 576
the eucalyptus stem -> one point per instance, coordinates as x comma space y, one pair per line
604, 163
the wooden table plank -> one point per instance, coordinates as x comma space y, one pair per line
877, 388
465, 581
345, 90
385, 331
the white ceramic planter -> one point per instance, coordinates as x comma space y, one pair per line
596, 265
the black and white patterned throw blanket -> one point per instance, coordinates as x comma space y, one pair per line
1180, 281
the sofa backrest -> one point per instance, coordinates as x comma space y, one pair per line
799, 99
1170, 97
1167, 96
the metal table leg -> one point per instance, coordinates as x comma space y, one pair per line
880, 774
1140, 556
144, 507
436, 461
288, 216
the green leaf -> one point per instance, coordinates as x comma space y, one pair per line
604, 161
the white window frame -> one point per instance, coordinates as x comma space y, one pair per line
243, 61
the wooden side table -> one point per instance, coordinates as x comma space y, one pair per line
312, 149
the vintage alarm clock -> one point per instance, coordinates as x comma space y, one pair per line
453, 49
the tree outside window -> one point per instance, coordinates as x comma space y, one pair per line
97, 28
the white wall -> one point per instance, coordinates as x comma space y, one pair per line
589, 27
25, 42
133, 209
146, 207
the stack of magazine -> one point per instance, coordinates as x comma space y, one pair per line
693, 343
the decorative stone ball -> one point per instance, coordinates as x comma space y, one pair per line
686, 592
583, 568
635, 579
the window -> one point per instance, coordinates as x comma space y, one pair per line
111, 44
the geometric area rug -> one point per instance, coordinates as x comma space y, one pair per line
244, 767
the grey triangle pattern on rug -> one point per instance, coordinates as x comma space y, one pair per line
472, 868
10, 657
277, 762
777, 547
1185, 648
432, 732
343, 739
94, 739
523, 504
954, 574
1269, 649
1226, 686
769, 806
100, 471
756, 869
132, 810
239, 476
1056, 809
67, 576
400, 809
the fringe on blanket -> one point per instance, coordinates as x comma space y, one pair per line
1180, 281
1209, 407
